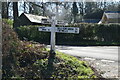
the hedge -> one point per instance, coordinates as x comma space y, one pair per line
90, 34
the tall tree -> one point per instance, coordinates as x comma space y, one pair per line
30, 8
24, 7
5, 7
81, 8
89, 6
15, 14
74, 10
119, 6
0, 9
36, 8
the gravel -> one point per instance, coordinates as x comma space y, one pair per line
105, 68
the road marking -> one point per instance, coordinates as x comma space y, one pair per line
97, 63
89, 59
103, 65
107, 61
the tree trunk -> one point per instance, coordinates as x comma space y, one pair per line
4, 10
15, 14
30, 8
24, 7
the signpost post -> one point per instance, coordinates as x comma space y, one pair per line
52, 41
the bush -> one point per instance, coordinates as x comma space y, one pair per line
16, 53
10, 43
8, 21
90, 34
32, 33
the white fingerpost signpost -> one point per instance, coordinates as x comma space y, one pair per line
54, 29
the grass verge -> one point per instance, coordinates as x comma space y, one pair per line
65, 67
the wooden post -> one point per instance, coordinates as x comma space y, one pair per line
52, 50
52, 36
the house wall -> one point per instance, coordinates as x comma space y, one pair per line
24, 20
104, 19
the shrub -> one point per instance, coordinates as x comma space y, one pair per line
17, 53
90, 34
8, 21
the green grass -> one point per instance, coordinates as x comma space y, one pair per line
80, 67
65, 67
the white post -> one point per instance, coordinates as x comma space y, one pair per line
53, 34
53, 30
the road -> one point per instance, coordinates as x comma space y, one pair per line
103, 58
98, 52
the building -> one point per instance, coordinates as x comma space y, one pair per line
110, 17
30, 19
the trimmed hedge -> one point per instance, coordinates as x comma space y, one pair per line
90, 34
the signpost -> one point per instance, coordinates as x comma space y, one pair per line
45, 29
67, 30
54, 29
74, 30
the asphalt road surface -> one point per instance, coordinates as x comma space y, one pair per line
98, 52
